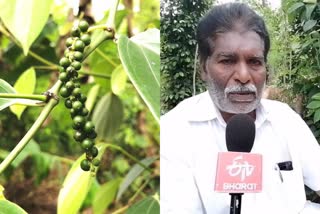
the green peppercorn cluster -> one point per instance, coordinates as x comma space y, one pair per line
74, 99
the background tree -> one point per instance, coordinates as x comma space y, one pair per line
302, 78
178, 47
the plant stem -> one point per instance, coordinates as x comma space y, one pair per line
106, 76
97, 27
95, 74
103, 36
112, 14
44, 67
121, 210
24, 141
129, 156
34, 55
133, 197
139, 191
24, 96
41, 59
108, 32
34, 128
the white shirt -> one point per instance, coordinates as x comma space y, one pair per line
194, 132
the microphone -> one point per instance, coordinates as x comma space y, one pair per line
240, 133
239, 171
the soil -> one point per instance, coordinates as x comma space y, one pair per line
41, 199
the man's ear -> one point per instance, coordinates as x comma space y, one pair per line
203, 70
267, 73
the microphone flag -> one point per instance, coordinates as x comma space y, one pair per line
238, 172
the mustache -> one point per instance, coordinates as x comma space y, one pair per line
250, 88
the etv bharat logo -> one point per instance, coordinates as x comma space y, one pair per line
238, 172
241, 168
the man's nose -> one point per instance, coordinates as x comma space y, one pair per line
242, 73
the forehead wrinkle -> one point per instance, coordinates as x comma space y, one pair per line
222, 36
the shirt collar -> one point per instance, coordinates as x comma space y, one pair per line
203, 109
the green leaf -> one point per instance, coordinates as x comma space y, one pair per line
314, 104
316, 96
5, 102
25, 84
309, 24
105, 195
7, 207
140, 56
149, 205
95, 186
25, 19
107, 116
118, 80
76, 186
6, 88
309, 9
1, 193
102, 67
103, 60
60, 12
310, 1
295, 7
92, 96
316, 116
74, 190
149, 39
133, 174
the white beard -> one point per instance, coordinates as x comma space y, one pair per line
219, 96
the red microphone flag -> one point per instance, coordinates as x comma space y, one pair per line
239, 172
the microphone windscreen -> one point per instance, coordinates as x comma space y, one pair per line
240, 133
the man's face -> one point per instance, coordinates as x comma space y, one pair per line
235, 72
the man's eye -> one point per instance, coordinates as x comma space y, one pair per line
255, 62
226, 61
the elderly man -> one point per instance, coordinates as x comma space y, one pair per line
233, 47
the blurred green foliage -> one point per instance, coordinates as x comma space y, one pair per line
178, 48
139, 131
